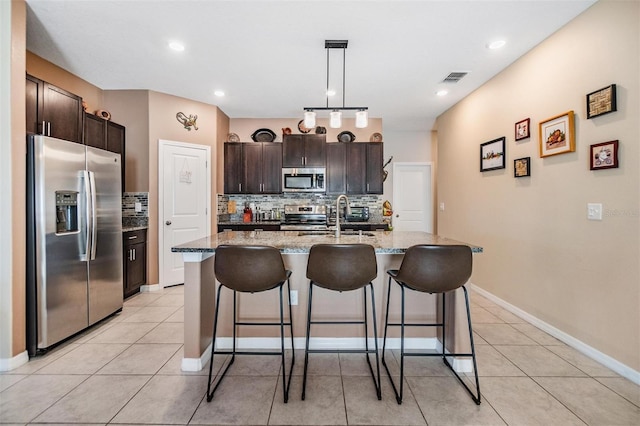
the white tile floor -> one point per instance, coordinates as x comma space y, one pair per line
127, 371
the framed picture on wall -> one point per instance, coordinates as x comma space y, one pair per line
604, 156
492, 155
522, 167
522, 129
557, 135
602, 101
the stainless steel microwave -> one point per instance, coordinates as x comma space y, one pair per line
303, 180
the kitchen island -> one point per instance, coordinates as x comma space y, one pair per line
389, 246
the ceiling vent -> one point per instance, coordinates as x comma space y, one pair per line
454, 77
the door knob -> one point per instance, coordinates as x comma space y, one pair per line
397, 215
168, 222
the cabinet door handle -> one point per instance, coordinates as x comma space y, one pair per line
44, 130
134, 254
133, 237
130, 258
367, 187
49, 128
302, 158
239, 187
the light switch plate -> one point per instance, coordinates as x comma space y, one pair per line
441, 207
594, 211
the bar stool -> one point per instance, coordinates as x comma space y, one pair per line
343, 267
435, 270
250, 269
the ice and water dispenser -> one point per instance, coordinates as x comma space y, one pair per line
66, 212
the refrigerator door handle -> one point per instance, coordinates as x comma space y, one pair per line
93, 217
87, 196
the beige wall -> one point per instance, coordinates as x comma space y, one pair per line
244, 127
541, 253
12, 175
131, 109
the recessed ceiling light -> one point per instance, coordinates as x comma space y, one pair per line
441, 92
178, 47
496, 44
219, 93
331, 92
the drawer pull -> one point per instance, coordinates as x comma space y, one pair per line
133, 237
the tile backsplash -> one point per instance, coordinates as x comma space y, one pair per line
268, 202
131, 217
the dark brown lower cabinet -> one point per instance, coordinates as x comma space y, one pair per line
135, 261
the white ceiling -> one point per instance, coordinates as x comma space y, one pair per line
269, 57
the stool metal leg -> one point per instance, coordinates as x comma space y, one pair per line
306, 350
213, 350
375, 341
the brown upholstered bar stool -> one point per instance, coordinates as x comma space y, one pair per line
343, 267
251, 269
435, 270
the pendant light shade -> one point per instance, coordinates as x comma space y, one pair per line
335, 115
309, 119
335, 119
362, 119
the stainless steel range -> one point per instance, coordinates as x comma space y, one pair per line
298, 217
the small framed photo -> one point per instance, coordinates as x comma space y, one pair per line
522, 129
522, 167
557, 135
604, 155
601, 101
492, 156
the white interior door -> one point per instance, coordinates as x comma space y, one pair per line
184, 202
412, 197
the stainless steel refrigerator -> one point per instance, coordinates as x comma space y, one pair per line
74, 239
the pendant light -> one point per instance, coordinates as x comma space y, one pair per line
335, 115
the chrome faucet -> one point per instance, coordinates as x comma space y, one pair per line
346, 200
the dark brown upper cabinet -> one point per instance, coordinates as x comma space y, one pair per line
52, 111
252, 168
303, 150
354, 168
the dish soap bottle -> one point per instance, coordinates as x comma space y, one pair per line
246, 216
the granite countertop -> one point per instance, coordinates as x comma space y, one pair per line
290, 242
133, 228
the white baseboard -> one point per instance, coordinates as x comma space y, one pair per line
8, 364
269, 343
151, 287
596, 355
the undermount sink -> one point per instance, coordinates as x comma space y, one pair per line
332, 233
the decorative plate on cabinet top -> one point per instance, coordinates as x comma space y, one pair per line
302, 128
320, 130
233, 137
376, 137
263, 135
346, 136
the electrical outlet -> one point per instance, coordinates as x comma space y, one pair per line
594, 211
137, 207
294, 297
441, 207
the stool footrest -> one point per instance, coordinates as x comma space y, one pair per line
415, 325
336, 322
261, 323
341, 351
246, 353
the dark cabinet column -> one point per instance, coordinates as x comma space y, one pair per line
336, 168
233, 171
356, 168
314, 146
135, 260
271, 168
374, 168
252, 165
95, 132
